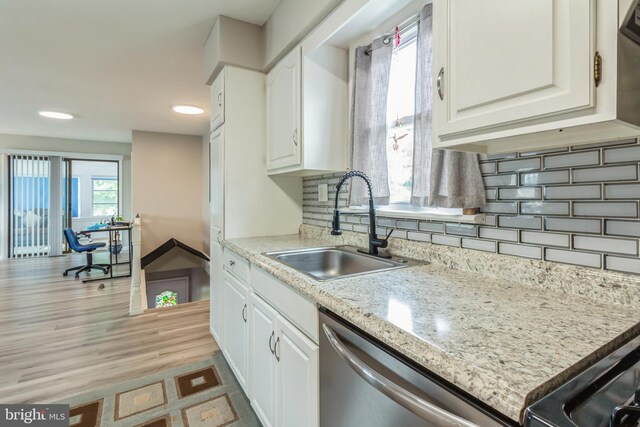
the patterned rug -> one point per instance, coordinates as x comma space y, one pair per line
201, 394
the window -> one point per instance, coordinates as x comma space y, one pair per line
400, 110
166, 299
105, 196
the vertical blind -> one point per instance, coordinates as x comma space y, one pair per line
30, 205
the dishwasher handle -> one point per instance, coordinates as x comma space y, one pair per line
418, 406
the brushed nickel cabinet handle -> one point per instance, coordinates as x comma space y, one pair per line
440, 84
272, 348
220, 99
275, 349
295, 137
244, 313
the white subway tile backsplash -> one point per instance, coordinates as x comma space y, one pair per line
462, 229
622, 191
524, 251
487, 168
434, 227
544, 208
625, 265
545, 239
569, 192
573, 225
500, 207
386, 222
520, 193
501, 180
399, 234
584, 158
519, 165
614, 227
620, 155
576, 205
604, 244
360, 228
573, 257
407, 225
606, 209
521, 221
550, 177
498, 234
609, 173
419, 237
479, 245
439, 239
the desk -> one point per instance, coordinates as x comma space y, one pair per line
113, 258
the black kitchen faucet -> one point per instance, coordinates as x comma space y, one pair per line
374, 241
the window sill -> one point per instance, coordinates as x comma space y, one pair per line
390, 212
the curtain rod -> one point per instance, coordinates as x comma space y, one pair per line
401, 28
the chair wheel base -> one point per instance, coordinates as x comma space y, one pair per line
65, 274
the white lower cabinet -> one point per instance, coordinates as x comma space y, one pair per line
216, 286
275, 362
297, 385
235, 326
262, 368
284, 370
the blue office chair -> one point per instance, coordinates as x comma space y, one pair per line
76, 246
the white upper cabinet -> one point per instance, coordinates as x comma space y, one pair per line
217, 102
510, 75
503, 61
308, 109
283, 113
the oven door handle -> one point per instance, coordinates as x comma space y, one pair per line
418, 406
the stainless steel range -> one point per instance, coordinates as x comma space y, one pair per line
605, 395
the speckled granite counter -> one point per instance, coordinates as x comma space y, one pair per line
503, 342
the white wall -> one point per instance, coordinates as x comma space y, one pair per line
206, 213
167, 188
289, 23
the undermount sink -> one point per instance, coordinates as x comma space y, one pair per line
336, 262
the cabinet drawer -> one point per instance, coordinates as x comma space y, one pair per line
294, 307
236, 265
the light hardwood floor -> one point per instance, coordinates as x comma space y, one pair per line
60, 337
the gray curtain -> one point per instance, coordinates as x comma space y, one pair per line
369, 127
441, 178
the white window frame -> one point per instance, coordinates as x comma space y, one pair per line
93, 190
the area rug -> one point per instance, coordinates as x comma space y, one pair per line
201, 394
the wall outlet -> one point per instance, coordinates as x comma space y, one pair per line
323, 193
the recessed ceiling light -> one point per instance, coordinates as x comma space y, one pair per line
187, 109
56, 115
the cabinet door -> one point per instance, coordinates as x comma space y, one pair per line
217, 101
234, 324
216, 146
283, 113
507, 61
297, 377
216, 287
262, 363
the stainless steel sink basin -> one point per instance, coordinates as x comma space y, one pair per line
336, 262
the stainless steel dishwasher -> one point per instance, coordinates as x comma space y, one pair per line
365, 384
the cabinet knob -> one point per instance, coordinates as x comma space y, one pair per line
244, 313
440, 84
232, 263
295, 137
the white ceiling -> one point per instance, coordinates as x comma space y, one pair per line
118, 65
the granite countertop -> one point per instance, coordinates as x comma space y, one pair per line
505, 343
